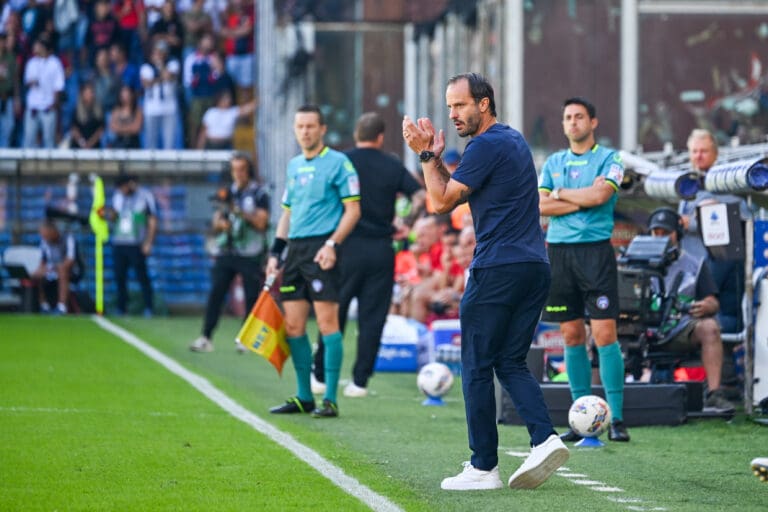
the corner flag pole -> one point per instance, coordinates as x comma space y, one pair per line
100, 229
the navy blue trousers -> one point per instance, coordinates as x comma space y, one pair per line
499, 314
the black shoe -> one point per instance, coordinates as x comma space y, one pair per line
570, 437
293, 405
618, 432
328, 410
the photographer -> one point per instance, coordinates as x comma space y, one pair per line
240, 222
692, 323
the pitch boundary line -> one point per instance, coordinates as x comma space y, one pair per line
327, 469
610, 493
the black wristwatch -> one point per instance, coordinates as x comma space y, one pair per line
426, 156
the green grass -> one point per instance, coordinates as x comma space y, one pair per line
89, 423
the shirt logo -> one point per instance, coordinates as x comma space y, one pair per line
354, 184
574, 174
615, 173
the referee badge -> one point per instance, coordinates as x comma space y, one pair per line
317, 285
602, 302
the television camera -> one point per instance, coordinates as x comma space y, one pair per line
647, 310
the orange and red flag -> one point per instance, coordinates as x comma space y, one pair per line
264, 332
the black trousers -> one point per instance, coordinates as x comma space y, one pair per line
225, 268
125, 257
368, 273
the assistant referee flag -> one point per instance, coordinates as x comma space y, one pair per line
264, 331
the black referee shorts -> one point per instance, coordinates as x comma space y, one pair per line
303, 279
584, 282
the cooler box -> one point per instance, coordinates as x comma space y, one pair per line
401, 344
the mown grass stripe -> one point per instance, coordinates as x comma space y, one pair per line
333, 473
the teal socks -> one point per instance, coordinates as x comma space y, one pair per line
332, 361
301, 353
579, 371
612, 375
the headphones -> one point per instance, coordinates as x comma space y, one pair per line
242, 155
666, 218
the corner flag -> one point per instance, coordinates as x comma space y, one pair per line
264, 331
100, 228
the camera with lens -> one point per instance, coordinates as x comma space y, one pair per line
642, 295
227, 208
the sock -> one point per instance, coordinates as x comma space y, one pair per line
579, 371
612, 375
301, 353
332, 361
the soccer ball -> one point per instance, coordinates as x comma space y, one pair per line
434, 380
589, 416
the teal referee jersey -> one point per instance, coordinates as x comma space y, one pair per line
566, 169
316, 190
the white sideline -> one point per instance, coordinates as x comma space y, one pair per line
333, 473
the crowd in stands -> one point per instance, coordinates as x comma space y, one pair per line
125, 73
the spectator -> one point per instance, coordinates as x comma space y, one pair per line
103, 32
126, 120
59, 267
126, 71
197, 24
238, 46
428, 251
106, 84
218, 127
65, 17
159, 78
130, 17
153, 10
240, 223
200, 82
696, 326
170, 29
224, 81
34, 19
88, 123
10, 103
44, 78
134, 212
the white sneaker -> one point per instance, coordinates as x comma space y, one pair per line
318, 388
241, 349
471, 479
540, 464
352, 390
201, 344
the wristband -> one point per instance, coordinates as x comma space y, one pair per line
278, 246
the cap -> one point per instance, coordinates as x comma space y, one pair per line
451, 156
664, 218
